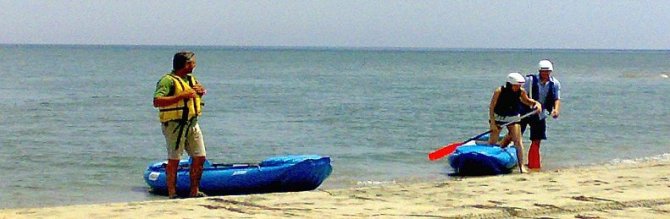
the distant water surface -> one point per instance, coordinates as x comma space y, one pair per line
78, 125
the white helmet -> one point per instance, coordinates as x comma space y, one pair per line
515, 78
546, 65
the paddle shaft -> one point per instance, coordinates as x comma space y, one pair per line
448, 149
501, 126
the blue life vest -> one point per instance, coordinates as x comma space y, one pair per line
535, 94
509, 102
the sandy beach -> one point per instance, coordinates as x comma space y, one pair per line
640, 190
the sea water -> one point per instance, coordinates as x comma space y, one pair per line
78, 125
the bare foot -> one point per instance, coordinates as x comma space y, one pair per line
524, 169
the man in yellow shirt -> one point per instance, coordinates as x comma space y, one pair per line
178, 96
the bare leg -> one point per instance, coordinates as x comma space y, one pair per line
515, 133
493, 136
505, 142
171, 177
196, 173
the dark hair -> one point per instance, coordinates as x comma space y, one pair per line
180, 59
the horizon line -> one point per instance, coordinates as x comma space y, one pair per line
343, 48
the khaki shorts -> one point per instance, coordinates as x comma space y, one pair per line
190, 140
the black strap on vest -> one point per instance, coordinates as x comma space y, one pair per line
191, 82
184, 114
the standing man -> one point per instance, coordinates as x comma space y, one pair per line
547, 90
178, 97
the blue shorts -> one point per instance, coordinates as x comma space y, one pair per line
538, 127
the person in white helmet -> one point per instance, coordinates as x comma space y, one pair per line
506, 107
545, 89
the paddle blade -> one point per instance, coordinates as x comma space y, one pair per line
444, 151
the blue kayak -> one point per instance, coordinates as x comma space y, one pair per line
274, 174
481, 159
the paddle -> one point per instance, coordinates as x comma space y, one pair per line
450, 148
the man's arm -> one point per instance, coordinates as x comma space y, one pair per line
557, 103
163, 88
557, 108
169, 100
530, 102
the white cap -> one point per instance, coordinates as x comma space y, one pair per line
546, 65
515, 78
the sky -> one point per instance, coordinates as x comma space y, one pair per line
565, 24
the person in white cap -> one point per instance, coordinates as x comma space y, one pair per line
545, 89
506, 107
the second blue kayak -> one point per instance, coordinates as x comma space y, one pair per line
482, 159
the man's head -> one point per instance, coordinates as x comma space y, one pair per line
184, 60
545, 68
546, 65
